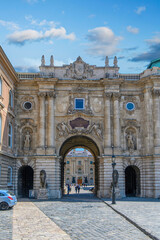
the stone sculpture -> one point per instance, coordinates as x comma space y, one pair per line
27, 140
43, 179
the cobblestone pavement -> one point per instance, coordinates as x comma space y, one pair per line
145, 212
85, 217
31, 223
6, 224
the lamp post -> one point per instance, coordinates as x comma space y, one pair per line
113, 177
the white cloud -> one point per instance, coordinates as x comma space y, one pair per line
42, 23
103, 41
31, 1
141, 9
21, 37
132, 30
92, 16
9, 25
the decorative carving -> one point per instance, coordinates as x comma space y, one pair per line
115, 62
79, 70
97, 129
156, 92
108, 95
51, 61
42, 94
107, 62
43, 182
130, 142
97, 105
42, 61
79, 122
27, 141
72, 110
51, 94
63, 129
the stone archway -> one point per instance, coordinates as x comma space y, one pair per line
132, 181
80, 141
25, 181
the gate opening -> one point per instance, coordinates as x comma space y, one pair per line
132, 181
79, 171
25, 181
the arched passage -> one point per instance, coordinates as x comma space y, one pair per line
25, 181
80, 141
132, 181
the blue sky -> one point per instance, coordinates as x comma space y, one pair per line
92, 29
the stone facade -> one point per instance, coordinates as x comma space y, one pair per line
60, 108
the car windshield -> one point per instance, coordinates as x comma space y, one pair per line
10, 193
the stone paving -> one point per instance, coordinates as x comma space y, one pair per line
85, 217
80, 217
30, 223
145, 212
6, 224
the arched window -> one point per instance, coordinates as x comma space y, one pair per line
0, 127
10, 135
0, 86
10, 98
91, 170
9, 176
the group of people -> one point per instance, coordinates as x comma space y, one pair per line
77, 188
69, 188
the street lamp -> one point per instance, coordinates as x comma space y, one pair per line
113, 177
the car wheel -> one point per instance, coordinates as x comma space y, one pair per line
4, 206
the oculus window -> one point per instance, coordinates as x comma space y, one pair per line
130, 106
79, 103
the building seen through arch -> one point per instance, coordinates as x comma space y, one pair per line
47, 114
79, 167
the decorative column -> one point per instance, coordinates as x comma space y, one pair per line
156, 124
148, 124
107, 121
42, 120
156, 114
50, 124
116, 122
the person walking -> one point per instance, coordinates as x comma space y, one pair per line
78, 189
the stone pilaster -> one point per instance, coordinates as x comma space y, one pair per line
107, 122
148, 140
50, 124
41, 135
116, 120
156, 123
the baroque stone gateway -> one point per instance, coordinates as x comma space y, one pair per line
45, 115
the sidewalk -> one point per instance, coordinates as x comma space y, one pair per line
144, 212
31, 223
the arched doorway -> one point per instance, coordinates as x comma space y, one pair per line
132, 181
87, 143
25, 181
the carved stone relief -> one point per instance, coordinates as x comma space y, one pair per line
64, 129
97, 105
79, 70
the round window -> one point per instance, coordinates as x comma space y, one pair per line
27, 105
130, 106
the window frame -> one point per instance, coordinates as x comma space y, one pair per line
75, 104
10, 98
10, 135
9, 176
